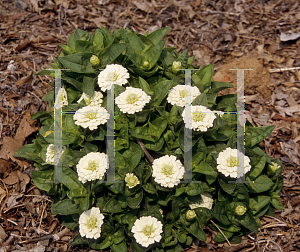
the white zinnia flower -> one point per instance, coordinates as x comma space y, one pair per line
95, 100
202, 118
91, 116
131, 180
112, 74
182, 93
167, 171
90, 223
92, 166
147, 230
206, 201
61, 98
227, 163
54, 153
132, 100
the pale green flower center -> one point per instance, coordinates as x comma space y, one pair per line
232, 161
92, 166
91, 115
182, 93
148, 230
198, 117
92, 222
240, 210
87, 101
131, 98
167, 170
112, 76
146, 63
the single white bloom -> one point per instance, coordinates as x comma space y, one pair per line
54, 153
147, 230
90, 223
92, 166
206, 201
227, 163
132, 100
91, 116
112, 74
61, 98
95, 100
167, 171
182, 93
202, 118
131, 180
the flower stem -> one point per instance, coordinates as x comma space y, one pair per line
150, 158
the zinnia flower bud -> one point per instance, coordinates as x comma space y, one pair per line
190, 215
240, 210
272, 168
94, 60
175, 66
145, 63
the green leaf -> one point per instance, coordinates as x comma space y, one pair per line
200, 100
193, 189
97, 38
217, 86
220, 238
160, 90
135, 42
151, 133
183, 58
64, 207
260, 184
75, 83
112, 206
135, 200
259, 165
42, 181
121, 247
145, 86
276, 203
78, 62
134, 160
219, 213
196, 231
149, 188
256, 134
205, 74
112, 53
122, 141
227, 187
246, 220
49, 96
88, 85
82, 46
226, 100
259, 205
158, 35
77, 240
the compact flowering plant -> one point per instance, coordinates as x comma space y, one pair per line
148, 206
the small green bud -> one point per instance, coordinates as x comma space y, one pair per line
190, 215
94, 60
240, 210
272, 168
175, 66
145, 63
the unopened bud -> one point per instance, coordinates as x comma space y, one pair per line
190, 215
272, 168
94, 60
175, 66
145, 63
240, 210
